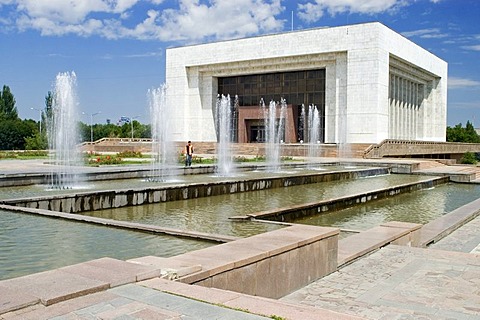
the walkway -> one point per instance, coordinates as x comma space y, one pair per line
406, 283
392, 283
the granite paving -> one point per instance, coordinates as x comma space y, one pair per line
397, 282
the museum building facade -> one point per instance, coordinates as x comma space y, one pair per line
367, 82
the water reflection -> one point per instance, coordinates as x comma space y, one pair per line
417, 207
211, 214
32, 244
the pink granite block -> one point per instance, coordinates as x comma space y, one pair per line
270, 246
245, 254
385, 234
64, 309
309, 234
215, 261
205, 283
165, 264
298, 272
265, 285
114, 277
242, 280
12, 299
55, 286
402, 225
140, 272
307, 264
278, 279
158, 262
219, 281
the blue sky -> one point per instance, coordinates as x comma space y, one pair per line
117, 47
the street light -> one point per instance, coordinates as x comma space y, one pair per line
131, 122
40, 125
91, 124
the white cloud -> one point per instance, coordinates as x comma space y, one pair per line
458, 83
225, 19
70, 12
474, 47
192, 20
312, 11
425, 33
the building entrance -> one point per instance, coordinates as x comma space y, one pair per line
303, 87
257, 133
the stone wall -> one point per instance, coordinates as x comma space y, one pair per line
98, 200
271, 265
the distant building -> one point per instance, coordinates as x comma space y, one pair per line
368, 82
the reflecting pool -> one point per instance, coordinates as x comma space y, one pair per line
418, 207
32, 244
211, 214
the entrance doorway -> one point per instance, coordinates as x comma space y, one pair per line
257, 133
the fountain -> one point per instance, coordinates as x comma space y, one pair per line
274, 117
224, 129
343, 147
313, 132
63, 135
163, 155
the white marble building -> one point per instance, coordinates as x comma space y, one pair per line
376, 84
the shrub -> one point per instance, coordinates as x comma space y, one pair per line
469, 158
105, 160
130, 154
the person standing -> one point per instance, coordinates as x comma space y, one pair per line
188, 154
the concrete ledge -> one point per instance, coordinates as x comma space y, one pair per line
123, 224
53, 286
359, 244
271, 265
107, 199
314, 208
69, 282
439, 228
101, 269
14, 299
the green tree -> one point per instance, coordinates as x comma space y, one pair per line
8, 111
461, 134
36, 142
14, 132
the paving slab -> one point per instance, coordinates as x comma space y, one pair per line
361, 243
185, 306
13, 299
253, 304
102, 270
55, 286
398, 282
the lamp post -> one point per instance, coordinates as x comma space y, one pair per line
131, 122
40, 122
91, 124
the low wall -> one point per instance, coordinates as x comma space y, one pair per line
292, 213
394, 232
98, 200
270, 265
